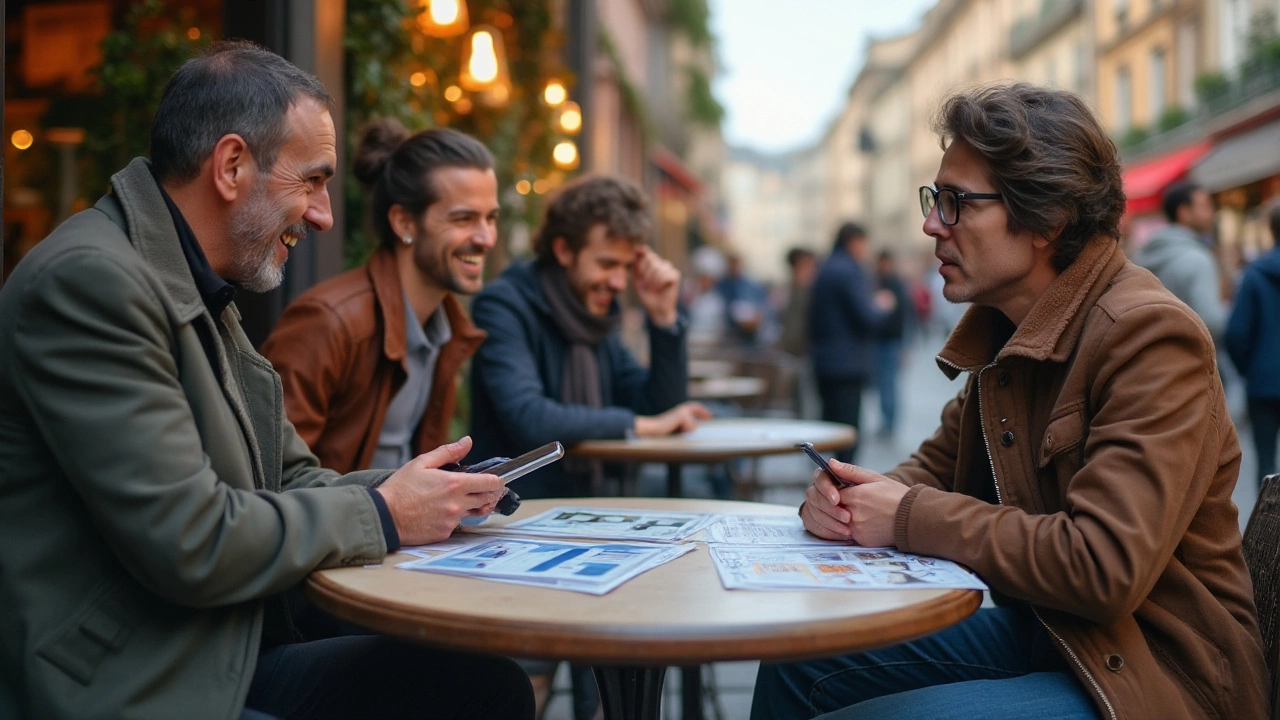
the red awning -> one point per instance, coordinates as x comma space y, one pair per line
673, 168
1144, 181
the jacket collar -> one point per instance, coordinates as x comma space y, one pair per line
385, 278
1052, 328
154, 236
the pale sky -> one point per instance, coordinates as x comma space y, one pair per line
787, 64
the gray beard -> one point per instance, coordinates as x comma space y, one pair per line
253, 265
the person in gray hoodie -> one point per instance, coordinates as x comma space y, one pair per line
1179, 257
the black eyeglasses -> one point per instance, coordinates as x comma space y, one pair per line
948, 202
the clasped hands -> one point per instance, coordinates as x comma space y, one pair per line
863, 512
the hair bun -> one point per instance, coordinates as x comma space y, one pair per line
378, 140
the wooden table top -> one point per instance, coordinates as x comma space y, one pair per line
719, 439
733, 387
675, 614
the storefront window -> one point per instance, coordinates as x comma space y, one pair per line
82, 80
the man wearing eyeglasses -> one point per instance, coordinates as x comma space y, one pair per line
1084, 471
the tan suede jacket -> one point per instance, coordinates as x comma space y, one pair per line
1105, 424
340, 351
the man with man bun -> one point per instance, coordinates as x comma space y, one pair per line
369, 359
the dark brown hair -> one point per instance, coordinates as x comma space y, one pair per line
584, 203
1055, 167
399, 168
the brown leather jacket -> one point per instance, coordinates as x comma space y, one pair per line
340, 349
1105, 424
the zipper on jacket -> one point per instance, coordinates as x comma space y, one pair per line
982, 422
1076, 659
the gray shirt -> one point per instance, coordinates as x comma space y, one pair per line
404, 414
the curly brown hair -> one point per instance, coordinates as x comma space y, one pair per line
1055, 167
586, 202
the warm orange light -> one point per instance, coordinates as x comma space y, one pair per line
554, 94
540, 186
523, 187
418, 79
453, 93
443, 18
463, 106
484, 61
193, 33
565, 154
571, 118
21, 139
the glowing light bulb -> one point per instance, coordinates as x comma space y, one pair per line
484, 59
418, 79
571, 118
452, 93
555, 93
565, 154
193, 33
444, 12
523, 187
21, 139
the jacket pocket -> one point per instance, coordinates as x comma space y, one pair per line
83, 643
1064, 434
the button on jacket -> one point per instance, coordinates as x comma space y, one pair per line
340, 351
1114, 460
150, 499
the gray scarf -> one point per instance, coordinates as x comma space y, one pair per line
580, 383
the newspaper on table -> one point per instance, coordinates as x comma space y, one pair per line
798, 567
611, 524
594, 568
453, 542
763, 530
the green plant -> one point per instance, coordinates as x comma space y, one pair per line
1172, 117
1211, 86
1133, 136
704, 109
693, 19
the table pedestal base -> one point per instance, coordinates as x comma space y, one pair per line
630, 693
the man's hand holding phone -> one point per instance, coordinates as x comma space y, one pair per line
850, 503
427, 502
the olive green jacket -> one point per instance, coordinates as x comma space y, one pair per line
149, 501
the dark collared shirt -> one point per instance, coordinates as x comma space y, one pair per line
217, 295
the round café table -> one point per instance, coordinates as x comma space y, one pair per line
732, 387
675, 614
719, 440
707, 368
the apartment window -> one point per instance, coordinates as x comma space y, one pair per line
1157, 84
1121, 8
1124, 100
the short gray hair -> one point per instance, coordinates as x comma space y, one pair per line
236, 87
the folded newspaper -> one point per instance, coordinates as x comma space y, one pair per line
805, 567
594, 568
611, 524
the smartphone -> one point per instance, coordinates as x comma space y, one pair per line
511, 469
821, 462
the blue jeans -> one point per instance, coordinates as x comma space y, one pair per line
888, 360
999, 663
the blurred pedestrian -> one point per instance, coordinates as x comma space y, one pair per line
744, 303
795, 313
1253, 341
845, 315
705, 306
889, 342
1179, 255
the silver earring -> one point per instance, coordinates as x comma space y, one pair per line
408, 239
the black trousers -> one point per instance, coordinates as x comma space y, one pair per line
352, 675
842, 403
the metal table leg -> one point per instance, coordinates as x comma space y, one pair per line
691, 693
674, 485
630, 693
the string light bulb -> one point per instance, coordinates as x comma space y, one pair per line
570, 119
484, 61
565, 154
443, 18
554, 94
